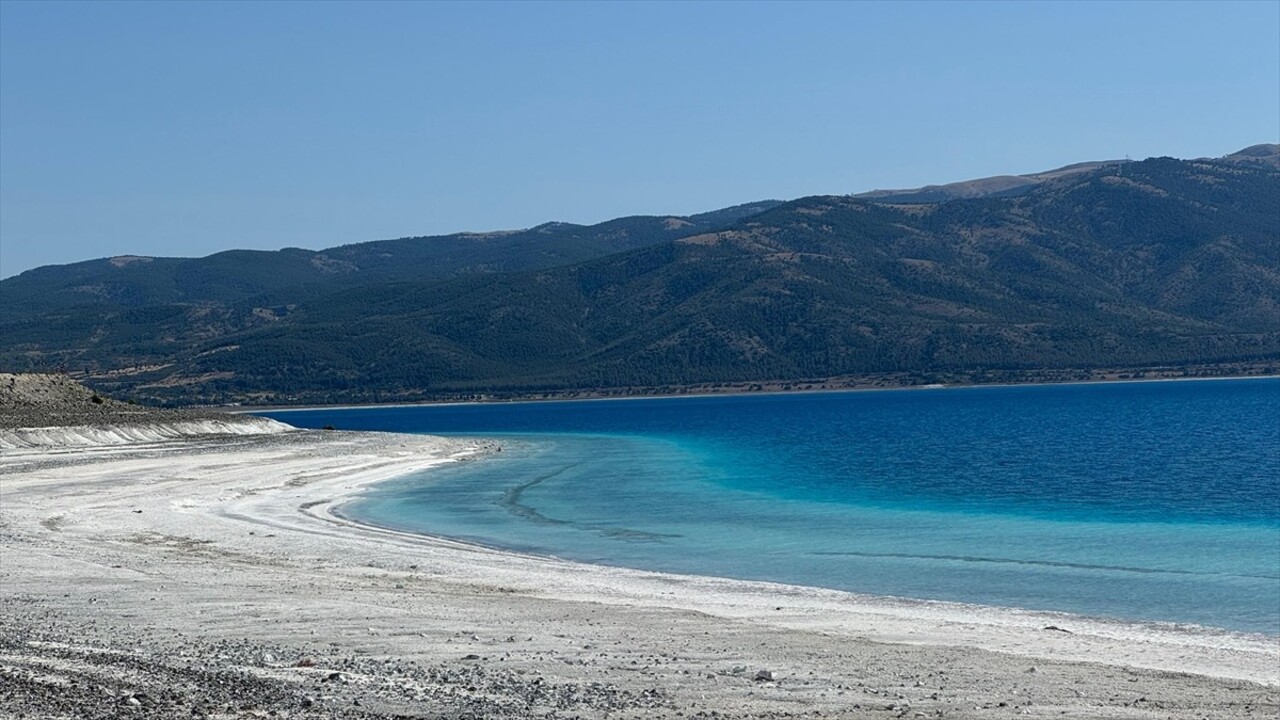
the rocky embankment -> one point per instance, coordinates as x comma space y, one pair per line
50, 410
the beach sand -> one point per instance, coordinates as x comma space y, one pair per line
209, 577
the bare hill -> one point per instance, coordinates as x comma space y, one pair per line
51, 409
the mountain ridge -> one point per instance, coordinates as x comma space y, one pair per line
1170, 263
134, 280
1008, 185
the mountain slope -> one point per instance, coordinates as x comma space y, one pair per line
995, 186
1014, 185
120, 283
1161, 262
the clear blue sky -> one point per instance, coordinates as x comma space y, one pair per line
181, 128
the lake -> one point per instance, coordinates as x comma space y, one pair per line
1140, 501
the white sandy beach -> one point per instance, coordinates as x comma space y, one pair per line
225, 551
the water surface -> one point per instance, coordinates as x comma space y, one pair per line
1146, 501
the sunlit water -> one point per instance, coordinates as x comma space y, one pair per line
1146, 501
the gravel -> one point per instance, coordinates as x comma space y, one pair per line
29, 400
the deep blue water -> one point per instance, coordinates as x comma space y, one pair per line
1146, 501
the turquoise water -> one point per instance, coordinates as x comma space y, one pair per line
1145, 501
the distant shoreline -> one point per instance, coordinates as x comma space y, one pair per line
730, 392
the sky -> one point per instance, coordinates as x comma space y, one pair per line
186, 128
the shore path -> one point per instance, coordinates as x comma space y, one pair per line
208, 578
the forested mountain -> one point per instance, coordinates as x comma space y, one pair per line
1152, 263
120, 283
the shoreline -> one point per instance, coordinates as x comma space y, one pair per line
257, 409
1123, 626
159, 550
332, 512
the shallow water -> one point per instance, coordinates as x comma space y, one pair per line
1147, 501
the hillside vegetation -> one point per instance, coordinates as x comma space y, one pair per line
109, 286
1161, 262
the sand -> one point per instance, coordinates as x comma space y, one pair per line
210, 577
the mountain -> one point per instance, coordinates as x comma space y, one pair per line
995, 186
118, 284
1013, 185
1268, 153
1161, 262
